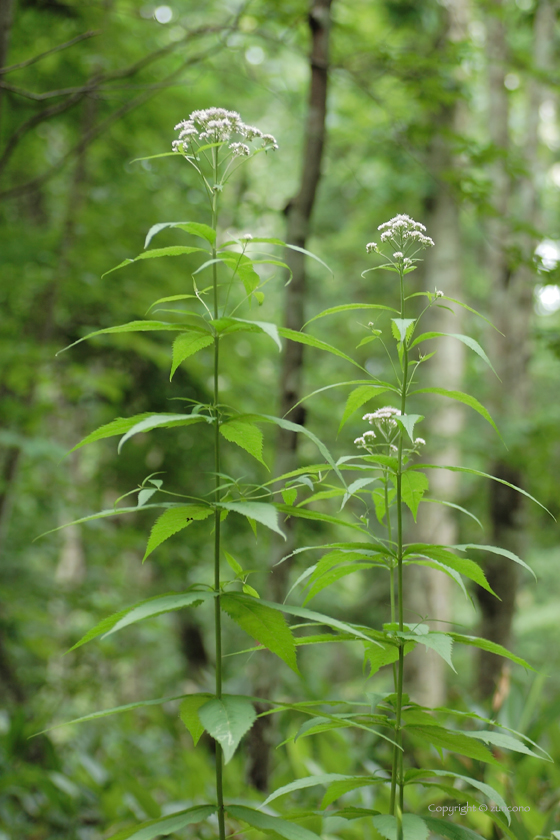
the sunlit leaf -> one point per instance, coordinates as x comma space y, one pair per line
289, 830
227, 719
188, 712
172, 521
267, 626
246, 435
166, 825
186, 345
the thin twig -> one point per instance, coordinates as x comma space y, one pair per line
29, 61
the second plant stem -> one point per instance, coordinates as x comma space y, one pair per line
217, 517
397, 775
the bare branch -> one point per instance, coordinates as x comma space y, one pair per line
29, 61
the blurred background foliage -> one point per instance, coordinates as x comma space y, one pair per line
74, 204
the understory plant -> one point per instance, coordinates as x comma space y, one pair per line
383, 475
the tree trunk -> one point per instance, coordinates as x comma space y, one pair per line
512, 289
298, 215
432, 591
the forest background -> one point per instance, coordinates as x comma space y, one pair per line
447, 111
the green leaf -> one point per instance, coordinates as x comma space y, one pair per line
338, 789
492, 549
166, 825
132, 326
333, 576
186, 345
144, 609
481, 475
188, 712
379, 655
173, 521
311, 341
470, 342
441, 643
453, 741
195, 228
413, 487
289, 830
267, 515
116, 427
414, 828
103, 514
162, 421
402, 327
319, 618
491, 647
246, 435
227, 720
506, 742
236, 567
267, 626
492, 794
408, 421
357, 398
459, 396
301, 513
263, 326
463, 565
451, 830
308, 781
296, 427
289, 495
115, 710
155, 253
347, 307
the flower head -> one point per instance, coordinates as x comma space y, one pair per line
383, 417
402, 231
371, 246
217, 125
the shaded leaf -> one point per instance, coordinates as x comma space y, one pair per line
441, 643
246, 435
453, 741
466, 339
311, 341
413, 487
132, 326
264, 624
186, 345
414, 828
172, 521
459, 396
487, 790
408, 422
357, 398
162, 421
451, 830
348, 307
491, 647
119, 426
188, 712
227, 720
267, 515
339, 788
166, 825
308, 781
289, 830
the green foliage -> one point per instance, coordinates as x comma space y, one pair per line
227, 719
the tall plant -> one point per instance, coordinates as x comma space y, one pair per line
390, 486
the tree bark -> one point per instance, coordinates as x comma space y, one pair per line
298, 216
512, 308
432, 591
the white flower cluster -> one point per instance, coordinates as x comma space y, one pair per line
403, 230
366, 439
419, 442
216, 125
383, 417
371, 247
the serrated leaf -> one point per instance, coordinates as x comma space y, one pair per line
333, 576
171, 251
311, 341
414, 828
227, 720
379, 655
463, 565
267, 515
173, 521
358, 397
132, 326
466, 339
401, 327
490, 647
408, 422
296, 427
195, 228
267, 626
263, 326
413, 487
504, 741
289, 495
348, 307
453, 741
188, 712
487, 790
119, 426
162, 421
289, 830
186, 345
144, 609
166, 825
492, 549
300, 784
246, 435
301, 513
115, 710
466, 399
451, 830
441, 643
339, 788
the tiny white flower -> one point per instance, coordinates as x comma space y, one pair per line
439, 294
239, 149
370, 247
419, 441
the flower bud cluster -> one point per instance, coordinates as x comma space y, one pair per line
216, 125
383, 417
402, 230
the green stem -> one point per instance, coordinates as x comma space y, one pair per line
397, 769
217, 520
